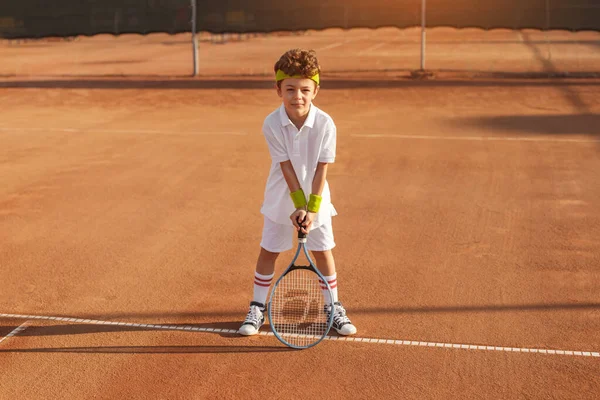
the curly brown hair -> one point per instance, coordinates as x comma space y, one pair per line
299, 62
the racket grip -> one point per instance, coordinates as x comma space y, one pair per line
301, 235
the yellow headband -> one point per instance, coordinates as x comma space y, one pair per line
280, 75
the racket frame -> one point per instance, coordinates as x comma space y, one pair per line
291, 267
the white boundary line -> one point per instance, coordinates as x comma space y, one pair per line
343, 42
592, 354
86, 130
15, 331
338, 44
473, 138
371, 48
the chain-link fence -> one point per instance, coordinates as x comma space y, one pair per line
40, 18
543, 37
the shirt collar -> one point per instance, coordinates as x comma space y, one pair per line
310, 118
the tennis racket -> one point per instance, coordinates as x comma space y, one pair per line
297, 303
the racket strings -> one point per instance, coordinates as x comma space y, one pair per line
297, 308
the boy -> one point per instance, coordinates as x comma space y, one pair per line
302, 142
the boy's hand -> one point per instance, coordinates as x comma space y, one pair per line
308, 220
296, 216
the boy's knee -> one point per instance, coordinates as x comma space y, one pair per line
322, 255
269, 255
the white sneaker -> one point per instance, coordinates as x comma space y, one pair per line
341, 322
254, 319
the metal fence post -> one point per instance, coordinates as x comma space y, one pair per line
423, 34
194, 37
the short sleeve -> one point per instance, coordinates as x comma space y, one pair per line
327, 154
276, 145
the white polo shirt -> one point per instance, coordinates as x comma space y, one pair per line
314, 142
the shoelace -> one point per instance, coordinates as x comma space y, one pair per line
339, 316
254, 315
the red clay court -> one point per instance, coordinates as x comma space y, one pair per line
467, 235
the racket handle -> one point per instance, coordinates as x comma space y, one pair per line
301, 235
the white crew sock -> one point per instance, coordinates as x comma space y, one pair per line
261, 287
332, 280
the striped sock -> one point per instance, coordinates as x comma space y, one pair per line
332, 280
261, 287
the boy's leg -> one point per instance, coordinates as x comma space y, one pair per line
321, 243
326, 265
265, 269
263, 276
276, 238
325, 261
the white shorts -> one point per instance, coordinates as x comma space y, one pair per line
278, 238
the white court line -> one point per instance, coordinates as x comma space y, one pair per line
338, 44
473, 138
331, 46
332, 338
74, 130
370, 49
15, 331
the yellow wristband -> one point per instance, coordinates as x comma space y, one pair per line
298, 198
314, 203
